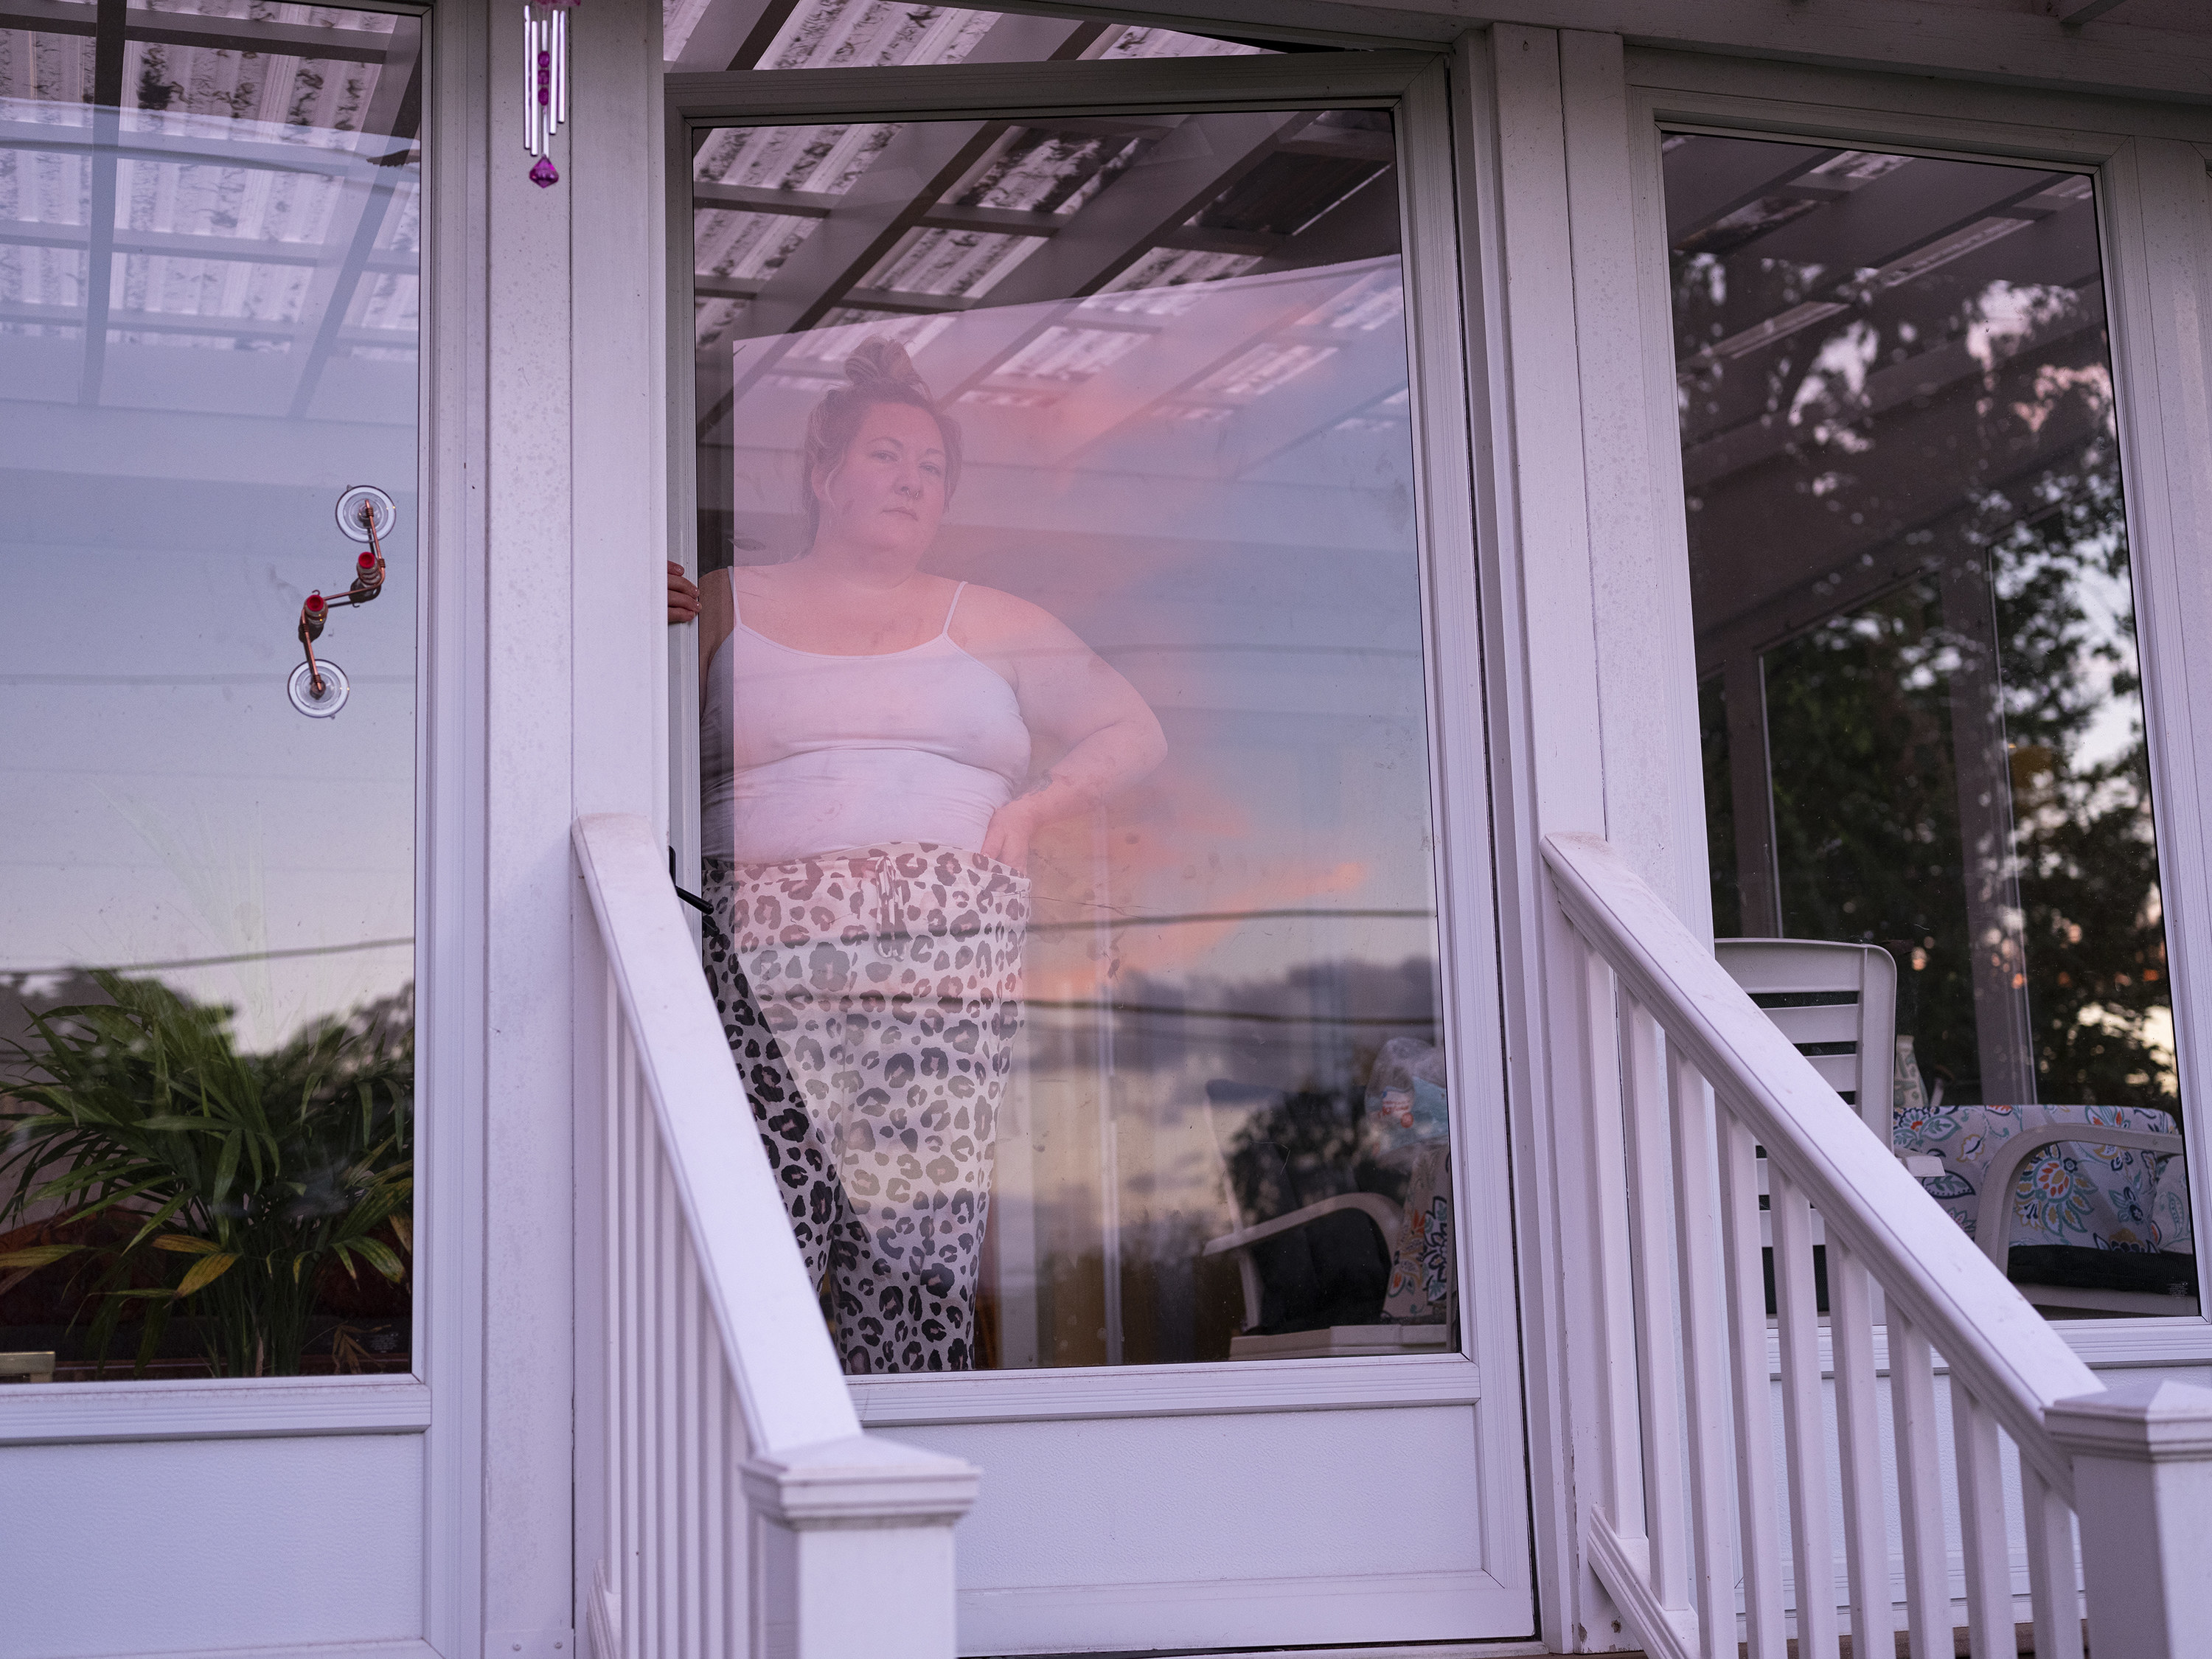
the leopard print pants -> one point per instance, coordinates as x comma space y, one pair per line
873, 998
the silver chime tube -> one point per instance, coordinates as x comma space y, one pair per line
560, 67
529, 82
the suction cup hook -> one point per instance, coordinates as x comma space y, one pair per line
317, 703
365, 513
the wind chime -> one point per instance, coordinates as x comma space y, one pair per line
545, 77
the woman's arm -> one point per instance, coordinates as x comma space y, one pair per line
1109, 735
718, 619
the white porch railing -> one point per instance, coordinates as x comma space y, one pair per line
729, 1504
1687, 1081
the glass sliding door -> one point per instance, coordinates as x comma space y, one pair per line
209, 264
1184, 762
1067, 795
1922, 707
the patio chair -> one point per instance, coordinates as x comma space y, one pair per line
1312, 1252
1837, 1003
2072, 1277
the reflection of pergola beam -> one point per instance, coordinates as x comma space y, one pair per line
173, 29
100, 219
1147, 204
1718, 177
917, 166
2060, 251
1367, 368
192, 245
189, 323
1221, 327
1109, 233
1835, 567
1932, 372
998, 501
186, 150
1879, 224
1362, 225
395, 107
988, 220
733, 35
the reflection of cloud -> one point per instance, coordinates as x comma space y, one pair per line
1153, 865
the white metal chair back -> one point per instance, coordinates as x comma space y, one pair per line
1837, 1006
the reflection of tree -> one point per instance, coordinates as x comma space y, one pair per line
2088, 862
194, 1174
1866, 799
1866, 812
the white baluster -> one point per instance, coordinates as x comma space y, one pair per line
1919, 1485
1757, 1513
2050, 1582
690, 1525
1704, 1342
631, 1108
1982, 1524
1866, 1539
1802, 1429
1619, 1488
670, 1245
1658, 1353
614, 1470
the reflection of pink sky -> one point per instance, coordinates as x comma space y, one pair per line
1155, 867
1222, 510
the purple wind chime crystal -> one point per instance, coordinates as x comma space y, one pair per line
545, 83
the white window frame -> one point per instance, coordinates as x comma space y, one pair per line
1419, 89
451, 773
2154, 208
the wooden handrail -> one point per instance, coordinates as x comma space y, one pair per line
1985, 1328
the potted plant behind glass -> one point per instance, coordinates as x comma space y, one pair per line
241, 1174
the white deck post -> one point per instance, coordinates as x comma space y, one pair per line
853, 1549
2142, 1488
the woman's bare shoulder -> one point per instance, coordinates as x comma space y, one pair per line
755, 580
993, 613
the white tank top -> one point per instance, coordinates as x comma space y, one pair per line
828, 752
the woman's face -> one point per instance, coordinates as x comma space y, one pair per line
888, 493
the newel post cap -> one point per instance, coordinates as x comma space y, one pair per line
2154, 1421
863, 1480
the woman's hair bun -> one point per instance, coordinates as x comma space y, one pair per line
879, 362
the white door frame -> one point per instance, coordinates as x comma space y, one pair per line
437, 1406
1418, 87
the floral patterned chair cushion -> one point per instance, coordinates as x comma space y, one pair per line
2072, 1193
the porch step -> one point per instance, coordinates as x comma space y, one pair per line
2023, 1645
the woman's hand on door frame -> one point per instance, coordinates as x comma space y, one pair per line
683, 596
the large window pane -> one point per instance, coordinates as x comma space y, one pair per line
207, 333
1925, 725
1139, 1061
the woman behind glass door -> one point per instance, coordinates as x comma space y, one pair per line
868, 810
